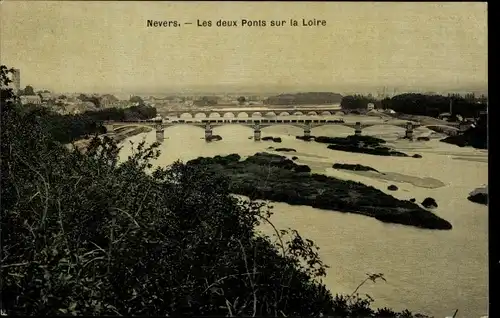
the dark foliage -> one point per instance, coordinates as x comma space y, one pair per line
413, 200
93, 99
286, 150
351, 140
423, 139
353, 167
377, 151
433, 105
270, 138
481, 198
305, 138
392, 187
304, 99
273, 177
295, 158
85, 234
417, 155
358, 102
429, 203
214, 138
68, 128
476, 137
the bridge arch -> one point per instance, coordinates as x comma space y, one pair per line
326, 129
226, 114
186, 115
255, 114
199, 115
284, 114
312, 113
326, 113
214, 115
289, 128
242, 115
269, 114
194, 124
297, 114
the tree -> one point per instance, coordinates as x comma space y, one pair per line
137, 99
28, 90
241, 100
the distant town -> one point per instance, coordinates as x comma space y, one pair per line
76, 102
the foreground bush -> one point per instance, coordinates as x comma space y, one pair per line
83, 234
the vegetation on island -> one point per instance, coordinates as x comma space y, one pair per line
353, 167
476, 136
357, 144
276, 178
83, 234
285, 150
271, 138
429, 203
479, 195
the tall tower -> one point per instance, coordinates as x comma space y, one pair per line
16, 80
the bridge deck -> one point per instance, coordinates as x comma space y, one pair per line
266, 122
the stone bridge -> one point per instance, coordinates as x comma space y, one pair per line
258, 124
250, 113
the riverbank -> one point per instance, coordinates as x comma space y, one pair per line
276, 178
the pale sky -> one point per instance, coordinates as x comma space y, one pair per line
106, 46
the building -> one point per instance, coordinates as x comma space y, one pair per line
370, 106
30, 99
45, 96
16, 80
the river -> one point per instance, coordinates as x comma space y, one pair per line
428, 271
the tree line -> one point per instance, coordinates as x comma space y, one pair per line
421, 104
71, 127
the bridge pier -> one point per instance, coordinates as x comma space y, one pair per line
409, 130
463, 127
208, 132
159, 133
357, 129
111, 129
256, 133
307, 130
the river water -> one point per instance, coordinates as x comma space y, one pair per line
428, 271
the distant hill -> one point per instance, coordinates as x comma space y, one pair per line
304, 98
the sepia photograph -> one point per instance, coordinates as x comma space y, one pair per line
263, 159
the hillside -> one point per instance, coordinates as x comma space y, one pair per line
305, 99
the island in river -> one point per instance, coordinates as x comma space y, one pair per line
273, 177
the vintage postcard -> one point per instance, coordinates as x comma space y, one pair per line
244, 158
